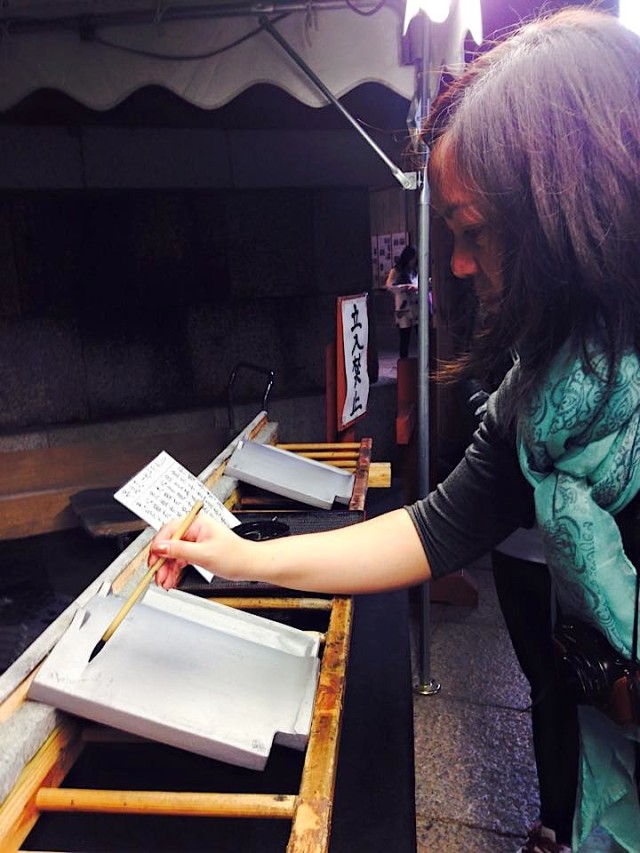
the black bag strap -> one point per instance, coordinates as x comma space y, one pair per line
634, 689
629, 523
631, 542
634, 644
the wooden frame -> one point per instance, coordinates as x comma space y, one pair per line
37, 787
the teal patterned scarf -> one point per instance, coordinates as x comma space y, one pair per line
579, 447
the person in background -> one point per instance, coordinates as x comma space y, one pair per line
535, 169
402, 282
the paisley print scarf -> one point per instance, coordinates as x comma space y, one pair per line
579, 447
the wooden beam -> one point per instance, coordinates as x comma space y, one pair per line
49, 766
359, 494
15, 699
37, 484
379, 473
329, 455
321, 445
312, 821
274, 603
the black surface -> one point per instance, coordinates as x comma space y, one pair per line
39, 577
26, 609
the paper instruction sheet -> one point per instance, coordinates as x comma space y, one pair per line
165, 489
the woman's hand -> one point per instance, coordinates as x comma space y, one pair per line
382, 553
207, 543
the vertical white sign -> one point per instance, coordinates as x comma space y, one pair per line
355, 338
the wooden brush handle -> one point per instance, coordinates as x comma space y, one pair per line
146, 580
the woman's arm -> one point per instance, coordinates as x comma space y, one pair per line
483, 500
392, 277
380, 554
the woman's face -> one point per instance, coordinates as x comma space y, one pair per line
476, 254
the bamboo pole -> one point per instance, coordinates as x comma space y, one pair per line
174, 803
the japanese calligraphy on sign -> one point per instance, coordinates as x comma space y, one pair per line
353, 332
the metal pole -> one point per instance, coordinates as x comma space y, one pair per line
427, 686
406, 181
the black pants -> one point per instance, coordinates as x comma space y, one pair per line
524, 593
404, 336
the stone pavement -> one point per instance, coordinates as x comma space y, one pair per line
476, 785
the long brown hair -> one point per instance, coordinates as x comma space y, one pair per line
546, 128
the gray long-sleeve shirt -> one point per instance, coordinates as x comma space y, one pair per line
482, 501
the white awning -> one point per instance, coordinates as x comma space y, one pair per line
208, 51
344, 49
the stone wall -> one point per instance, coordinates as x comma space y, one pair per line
121, 302
147, 249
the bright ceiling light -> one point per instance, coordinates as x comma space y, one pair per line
437, 10
458, 14
630, 14
472, 17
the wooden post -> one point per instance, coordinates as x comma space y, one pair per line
312, 820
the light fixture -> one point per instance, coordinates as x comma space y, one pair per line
472, 17
437, 10
457, 13
630, 14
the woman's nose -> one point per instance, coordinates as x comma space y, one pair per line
463, 263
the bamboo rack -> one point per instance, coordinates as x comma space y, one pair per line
39, 787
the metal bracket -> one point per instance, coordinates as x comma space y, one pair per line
407, 181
